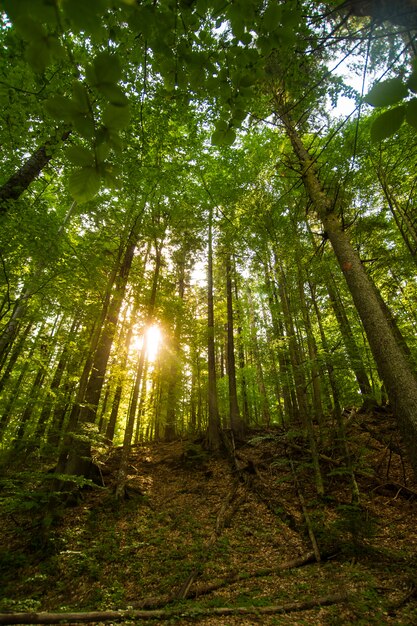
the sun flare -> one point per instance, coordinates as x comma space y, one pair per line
153, 342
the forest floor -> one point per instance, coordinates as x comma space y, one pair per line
200, 534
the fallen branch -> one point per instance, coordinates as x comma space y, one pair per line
230, 579
118, 616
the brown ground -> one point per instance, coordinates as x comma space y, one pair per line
193, 522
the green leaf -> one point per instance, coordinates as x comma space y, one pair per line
110, 175
387, 123
84, 124
80, 156
60, 108
116, 117
80, 97
85, 15
411, 112
114, 94
102, 151
38, 55
246, 38
272, 16
107, 68
29, 29
223, 137
386, 93
222, 126
84, 183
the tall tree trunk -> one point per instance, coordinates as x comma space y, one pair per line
111, 426
337, 409
260, 379
393, 365
299, 378
75, 457
142, 401
17, 350
355, 358
312, 347
55, 383
236, 422
170, 425
13, 188
91, 398
283, 361
127, 440
241, 356
213, 432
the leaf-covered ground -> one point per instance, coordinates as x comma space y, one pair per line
201, 533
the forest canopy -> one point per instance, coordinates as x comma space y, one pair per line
194, 238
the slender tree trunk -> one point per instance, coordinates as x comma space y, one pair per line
170, 425
392, 363
337, 409
75, 457
15, 355
349, 341
111, 426
299, 379
55, 383
213, 432
17, 387
312, 349
264, 401
142, 401
127, 440
91, 398
236, 422
284, 369
241, 357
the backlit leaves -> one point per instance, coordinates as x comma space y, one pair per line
386, 93
84, 183
388, 123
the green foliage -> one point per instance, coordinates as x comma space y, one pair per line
84, 183
388, 123
387, 93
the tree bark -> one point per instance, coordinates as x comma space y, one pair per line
13, 188
174, 366
236, 422
127, 440
392, 363
213, 432
156, 614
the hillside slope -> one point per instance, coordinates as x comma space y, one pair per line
199, 534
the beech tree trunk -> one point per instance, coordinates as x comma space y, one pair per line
13, 188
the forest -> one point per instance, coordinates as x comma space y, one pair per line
208, 311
